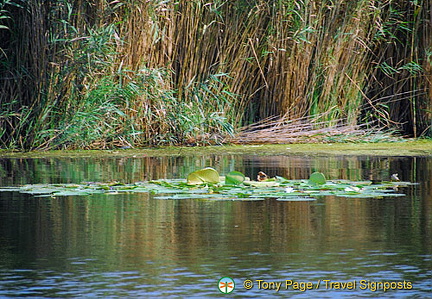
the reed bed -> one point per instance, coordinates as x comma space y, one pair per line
102, 74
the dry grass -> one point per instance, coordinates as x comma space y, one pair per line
305, 130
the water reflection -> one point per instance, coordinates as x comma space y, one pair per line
132, 169
133, 245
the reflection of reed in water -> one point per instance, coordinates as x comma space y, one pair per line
295, 167
378, 169
135, 229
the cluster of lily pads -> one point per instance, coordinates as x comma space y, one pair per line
208, 184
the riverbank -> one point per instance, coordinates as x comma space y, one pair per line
407, 147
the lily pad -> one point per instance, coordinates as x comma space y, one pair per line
10, 189
234, 178
317, 178
71, 193
298, 198
263, 184
206, 175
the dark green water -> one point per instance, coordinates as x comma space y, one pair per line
135, 246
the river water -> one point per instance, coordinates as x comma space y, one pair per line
137, 246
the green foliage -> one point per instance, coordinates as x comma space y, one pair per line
204, 116
5, 13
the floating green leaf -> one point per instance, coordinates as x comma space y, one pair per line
263, 184
71, 193
206, 175
317, 178
234, 178
295, 199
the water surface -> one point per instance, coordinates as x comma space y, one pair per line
134, 245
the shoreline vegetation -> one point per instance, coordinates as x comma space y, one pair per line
406, 147
103, 74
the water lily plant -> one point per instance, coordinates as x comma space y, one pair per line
208, 184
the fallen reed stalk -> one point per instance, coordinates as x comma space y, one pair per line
283, 130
